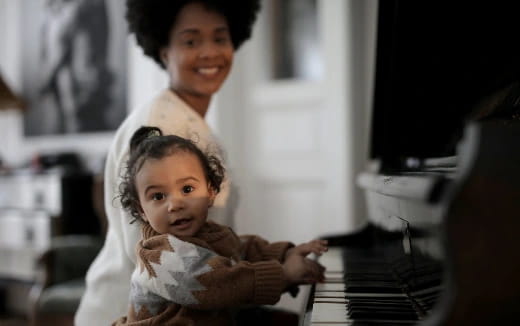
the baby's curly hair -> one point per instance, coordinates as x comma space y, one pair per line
152, 20
149, 143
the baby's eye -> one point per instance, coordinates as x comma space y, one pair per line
158, 196
187, 189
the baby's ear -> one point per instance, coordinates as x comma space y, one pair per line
141, 213
212, 195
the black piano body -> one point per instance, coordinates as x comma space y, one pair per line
442, 246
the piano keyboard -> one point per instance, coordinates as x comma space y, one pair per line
364, 290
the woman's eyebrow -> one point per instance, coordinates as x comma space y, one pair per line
193, 30
189, 31
221, 29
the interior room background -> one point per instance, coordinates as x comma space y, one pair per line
293, 116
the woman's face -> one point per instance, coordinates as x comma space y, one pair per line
200, 52
174, 194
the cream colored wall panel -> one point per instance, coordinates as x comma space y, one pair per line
286, 133
284, 210
291, 169
287, 92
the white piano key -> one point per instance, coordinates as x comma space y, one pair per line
333, 274
326, 287
329, 312
334, 300
332, 260
324, 295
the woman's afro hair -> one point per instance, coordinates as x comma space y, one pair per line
152, 20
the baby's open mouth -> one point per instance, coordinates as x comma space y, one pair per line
182, 221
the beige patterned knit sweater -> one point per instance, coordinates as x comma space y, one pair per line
199, 280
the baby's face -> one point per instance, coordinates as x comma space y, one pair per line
174, 194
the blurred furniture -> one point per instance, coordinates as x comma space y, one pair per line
36, 207
61, 280
60, 283
50, 231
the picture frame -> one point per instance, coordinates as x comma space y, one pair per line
74, 66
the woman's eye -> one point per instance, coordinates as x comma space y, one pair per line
187, 189
190, 42
158, 196
221, 40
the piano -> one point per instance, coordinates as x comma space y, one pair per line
442, 187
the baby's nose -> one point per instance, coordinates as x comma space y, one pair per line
175, 203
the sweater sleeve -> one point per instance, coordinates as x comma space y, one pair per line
189, 275
255, 249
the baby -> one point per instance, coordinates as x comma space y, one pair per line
192, 271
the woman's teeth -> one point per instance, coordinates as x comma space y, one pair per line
208, 71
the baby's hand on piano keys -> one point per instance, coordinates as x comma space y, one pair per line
301, 270
316, 247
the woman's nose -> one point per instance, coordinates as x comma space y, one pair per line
208, 50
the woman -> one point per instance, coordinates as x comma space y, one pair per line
194, 41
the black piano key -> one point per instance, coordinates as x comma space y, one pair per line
386, 315
380, 309
383, 305
375, 287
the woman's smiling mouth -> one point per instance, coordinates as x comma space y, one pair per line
208, 72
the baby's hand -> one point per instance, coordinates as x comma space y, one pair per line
300, 270
317, 247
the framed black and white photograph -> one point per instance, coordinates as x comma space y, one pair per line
74, 56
